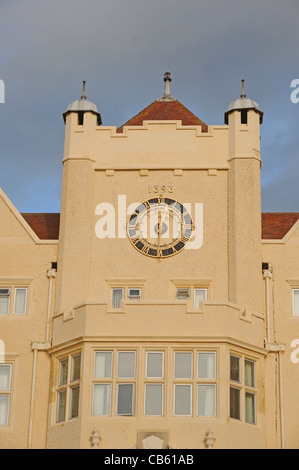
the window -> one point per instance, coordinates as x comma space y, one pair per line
20, 301
183, 294
134, 294
4, 301
206, 388
183, 365
68, 388
201, 384
106, 383
5, 390
195, 295
182, 399
121, 293
296, 302
242, 388
117, 296
199, 296
13, 300
154, 386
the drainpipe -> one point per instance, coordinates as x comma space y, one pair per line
281, 401
51, 274
32, 398
267, 274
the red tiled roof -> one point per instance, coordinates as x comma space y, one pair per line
275, 225
166, 111
45, 225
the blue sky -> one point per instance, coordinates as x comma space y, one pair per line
122, 49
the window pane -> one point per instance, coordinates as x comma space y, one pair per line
182, 400
76, 362
296, 302
126, 364
235, 395
117, 296
183, 294
250, 408
4, 407
235, 368
101, 399
249, 374
206, 365
20, 301
63, 369
103, 365
5, 377
4, 301
153, 399
125, 399
206, 400
74, 402
199, 296
154, 364
183, 365
61, 400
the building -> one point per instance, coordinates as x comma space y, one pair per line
160, 308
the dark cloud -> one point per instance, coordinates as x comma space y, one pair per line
122, 48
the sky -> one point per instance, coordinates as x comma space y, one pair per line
122, 48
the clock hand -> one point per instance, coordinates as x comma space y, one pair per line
159, 232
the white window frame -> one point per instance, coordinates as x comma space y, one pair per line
201, 289
6, 392
115, 289
133, 398
186, 299
9, 299
200, 384
190, 400
110, 399
135, 365
293, 302
15, 298
111, 365
191, 366
215, 365
146, 362
134, 297
162, 398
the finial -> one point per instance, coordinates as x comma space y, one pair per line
167, 81
83, 97
243, 89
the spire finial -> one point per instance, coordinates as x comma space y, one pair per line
83, 97
167, 81
243, 89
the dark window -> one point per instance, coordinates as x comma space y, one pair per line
80, 118
244, 116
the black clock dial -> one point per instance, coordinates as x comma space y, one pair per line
160, 227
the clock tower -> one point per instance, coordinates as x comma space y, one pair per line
159, 312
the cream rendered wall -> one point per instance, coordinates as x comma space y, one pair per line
100, 165
24, 261
283, 256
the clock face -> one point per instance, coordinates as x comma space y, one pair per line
160, 227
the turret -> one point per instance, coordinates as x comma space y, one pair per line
244, 210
